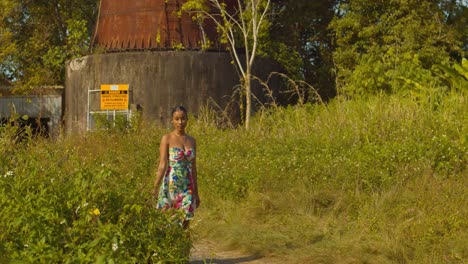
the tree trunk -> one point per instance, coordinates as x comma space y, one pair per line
248, 99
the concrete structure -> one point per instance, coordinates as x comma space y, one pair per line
141, 40
158, 81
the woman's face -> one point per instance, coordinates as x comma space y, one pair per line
179, 120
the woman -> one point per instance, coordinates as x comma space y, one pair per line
176, 180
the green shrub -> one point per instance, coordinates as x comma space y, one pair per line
85, 200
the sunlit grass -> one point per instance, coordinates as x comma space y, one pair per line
377, 180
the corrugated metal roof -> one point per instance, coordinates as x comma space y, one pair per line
33, 106
9, 90
148, 24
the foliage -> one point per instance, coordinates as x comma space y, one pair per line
243, 24
37, 37
457, 18
7, 46
376, 180
381, 42
84, 200
300, 40
377, 46
120, 122
456, 75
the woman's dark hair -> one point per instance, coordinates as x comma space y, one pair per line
179, 108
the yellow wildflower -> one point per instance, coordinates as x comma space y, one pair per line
95, 212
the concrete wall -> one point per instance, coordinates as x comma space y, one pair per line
158, 81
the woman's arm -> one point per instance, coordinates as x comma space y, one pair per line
163, 161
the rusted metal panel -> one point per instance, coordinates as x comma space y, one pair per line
148, 24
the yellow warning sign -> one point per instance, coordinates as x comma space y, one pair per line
114, 96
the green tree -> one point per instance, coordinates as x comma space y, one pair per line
390, 45
300, 41
242, 26
7, 47
36, 37
457, 17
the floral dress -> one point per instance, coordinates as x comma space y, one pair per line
176, 190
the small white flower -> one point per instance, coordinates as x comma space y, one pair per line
26, 245
63, 222
115, 246
7, 174
52, 180
85, 204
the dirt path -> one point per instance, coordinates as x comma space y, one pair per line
207, 252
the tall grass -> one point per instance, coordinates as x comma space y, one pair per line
376, 180
84, 199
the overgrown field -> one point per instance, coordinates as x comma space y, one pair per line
377, 180
84, 200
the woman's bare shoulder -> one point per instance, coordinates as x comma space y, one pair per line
166, 137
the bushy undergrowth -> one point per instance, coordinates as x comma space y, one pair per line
83, 200
377, 180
